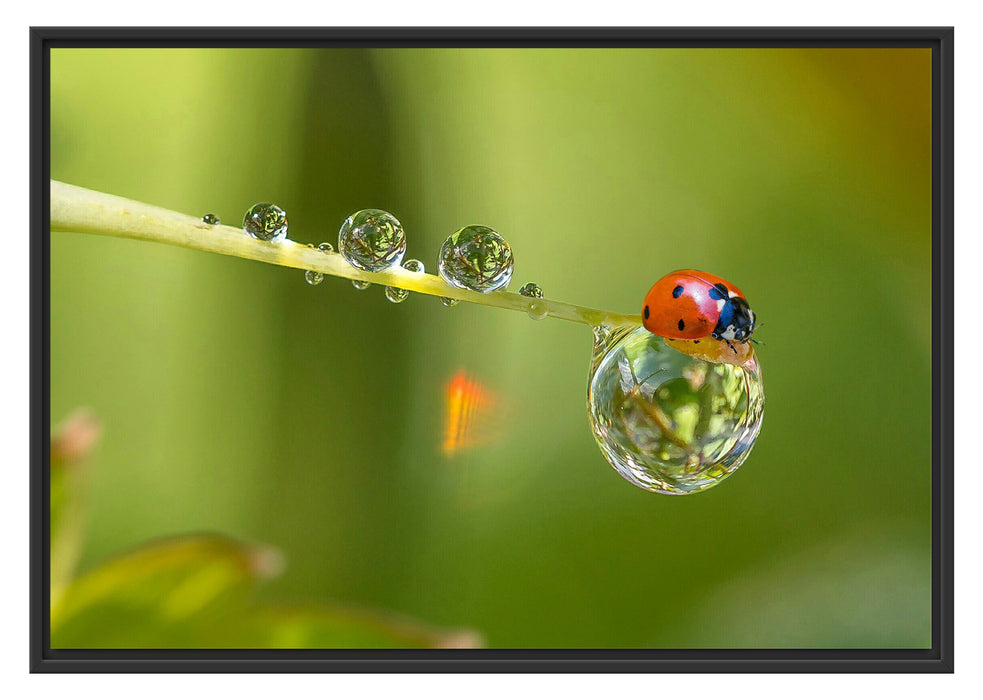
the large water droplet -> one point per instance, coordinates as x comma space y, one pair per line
476, 258
531, 289
211, 219
397, 295
265, 221
669, 422
372, 240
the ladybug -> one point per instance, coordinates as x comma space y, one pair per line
691, 305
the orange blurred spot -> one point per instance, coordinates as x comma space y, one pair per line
74, 439
469, 406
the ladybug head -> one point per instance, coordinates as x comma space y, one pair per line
736, 321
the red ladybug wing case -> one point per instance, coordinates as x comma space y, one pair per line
710, 279
679, 306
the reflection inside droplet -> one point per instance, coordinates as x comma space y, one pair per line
476, 258
372, 240
666, 421
265, 221
396, 295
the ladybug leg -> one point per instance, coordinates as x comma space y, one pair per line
731, 347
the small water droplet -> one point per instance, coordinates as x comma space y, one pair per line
538, 310
361, 285
326, 248
447, 301
476, 258
265, 221
666, 421
415, 266
372, 240
313, 278
397, 295
211, 219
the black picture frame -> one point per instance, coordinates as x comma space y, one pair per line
937, 659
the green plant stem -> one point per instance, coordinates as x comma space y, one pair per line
86, 211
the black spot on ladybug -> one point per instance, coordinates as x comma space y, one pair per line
681, 324
677, 291
646, 312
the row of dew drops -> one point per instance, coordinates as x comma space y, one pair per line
474, 257
667, 422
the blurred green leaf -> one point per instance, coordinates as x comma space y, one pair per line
71, 445
152, 595
326, 627
192, 591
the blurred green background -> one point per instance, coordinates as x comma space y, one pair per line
235, 398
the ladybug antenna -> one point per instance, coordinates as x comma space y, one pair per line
756, 327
